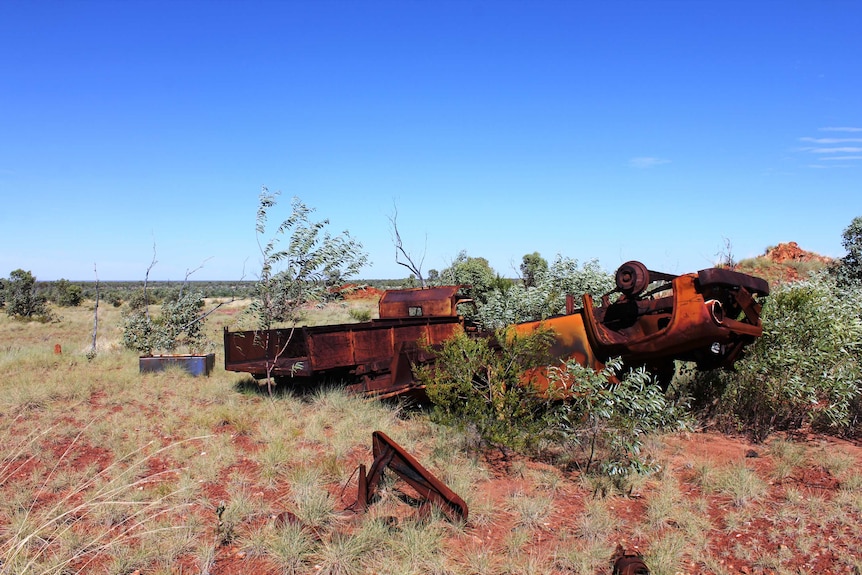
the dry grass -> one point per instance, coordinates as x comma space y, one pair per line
106, 470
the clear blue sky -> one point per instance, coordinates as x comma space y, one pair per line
611, 130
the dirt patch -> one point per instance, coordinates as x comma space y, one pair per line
352, 292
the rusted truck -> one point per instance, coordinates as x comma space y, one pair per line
373, 357
650, 319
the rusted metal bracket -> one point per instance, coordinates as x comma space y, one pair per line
627, 563
389, 454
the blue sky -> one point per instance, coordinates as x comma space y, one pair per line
656, 130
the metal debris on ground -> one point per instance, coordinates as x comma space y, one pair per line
432, 491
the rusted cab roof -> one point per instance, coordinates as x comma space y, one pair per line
433, 301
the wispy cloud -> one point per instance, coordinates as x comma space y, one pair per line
830, 140
845, 150
833, 149
647, 162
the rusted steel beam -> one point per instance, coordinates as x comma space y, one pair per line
389, 454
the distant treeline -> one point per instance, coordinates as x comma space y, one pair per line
119, 292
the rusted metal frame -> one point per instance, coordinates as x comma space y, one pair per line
751, 309
749, 305
732, 279
389, 454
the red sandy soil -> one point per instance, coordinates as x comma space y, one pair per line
357, 292
762, 533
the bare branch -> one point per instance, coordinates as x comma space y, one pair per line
146, 279
189, 273
95, 314
400, 252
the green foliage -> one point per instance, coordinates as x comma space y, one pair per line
300, 272
138, 333
138, 301
183, 324
849, 270
180, 325
474, 385
66, 294
360, 315
777, 272
608, 417
473, 272
113, 297
479, 386
22, 299
547, 297
805, 369
533, 266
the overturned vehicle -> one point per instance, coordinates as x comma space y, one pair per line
650, 319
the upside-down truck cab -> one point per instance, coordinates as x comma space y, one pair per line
650, 319
706, 317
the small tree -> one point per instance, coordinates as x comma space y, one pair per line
22, 299
295, 274
533, 266
180, 324
475, 272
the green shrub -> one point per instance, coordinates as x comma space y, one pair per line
474, 272
180, 325
360, 315
475, 385
139, 300
608, 416
478, 385
66, 294
805, 369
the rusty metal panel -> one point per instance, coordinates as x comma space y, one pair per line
419, 302
437, 333
412, 334
331, 350
373, 345
256, 351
